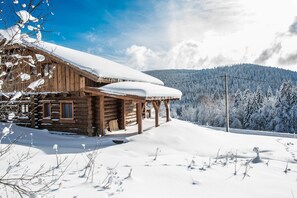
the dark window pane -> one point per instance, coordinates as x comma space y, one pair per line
67, 110
46, 110
25, 108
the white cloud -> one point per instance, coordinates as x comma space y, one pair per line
186, 54
200, 34
208, 33
282, 52
191, 54
94, 50
142, 58
90, 36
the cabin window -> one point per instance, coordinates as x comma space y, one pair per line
9, 76
33, 70
45, 70
50, 70
46, 110
25, 108
67, 110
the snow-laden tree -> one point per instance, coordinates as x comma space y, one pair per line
293, 118
248, 107
284, 102
256, 99
237, 110
269, 93
237, 98
21, 24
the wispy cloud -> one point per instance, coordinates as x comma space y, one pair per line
91, 37
268, 53
209, 33
200, 33
141, 57
293, 27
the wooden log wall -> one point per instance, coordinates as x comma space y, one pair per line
123, 123
131, 118
34, 109
21, 109
21, 118
81, 123
96, 113
64, 79
60, 78
111, 110
86, 113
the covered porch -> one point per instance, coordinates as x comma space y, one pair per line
137, 93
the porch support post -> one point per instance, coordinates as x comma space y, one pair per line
101, 115
123, 112
33, 110
139, 117
156, 105
166, 103
90, 116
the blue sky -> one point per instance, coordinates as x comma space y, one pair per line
95, 26
163, 34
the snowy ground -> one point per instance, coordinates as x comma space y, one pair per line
191, 161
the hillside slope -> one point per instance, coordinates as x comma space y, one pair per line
209, 81
260, 98
177, 159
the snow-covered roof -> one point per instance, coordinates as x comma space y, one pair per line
141, 89
100, 68
96, 65
11, 34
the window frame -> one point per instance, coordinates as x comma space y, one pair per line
61, 110
33, 71
50, 111
24, 108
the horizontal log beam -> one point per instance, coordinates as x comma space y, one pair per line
97, 92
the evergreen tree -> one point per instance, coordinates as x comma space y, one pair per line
283, 105
237, 98
269, 93
249, 108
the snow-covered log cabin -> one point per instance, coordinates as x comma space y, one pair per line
62, 89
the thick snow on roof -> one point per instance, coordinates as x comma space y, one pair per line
96, 65
141, 89
12, 34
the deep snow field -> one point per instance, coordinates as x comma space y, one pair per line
177, 159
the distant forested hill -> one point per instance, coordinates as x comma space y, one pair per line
195, 83
251, 89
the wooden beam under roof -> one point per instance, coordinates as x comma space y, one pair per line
96, 92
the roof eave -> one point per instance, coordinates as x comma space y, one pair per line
96, 91
71, 65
